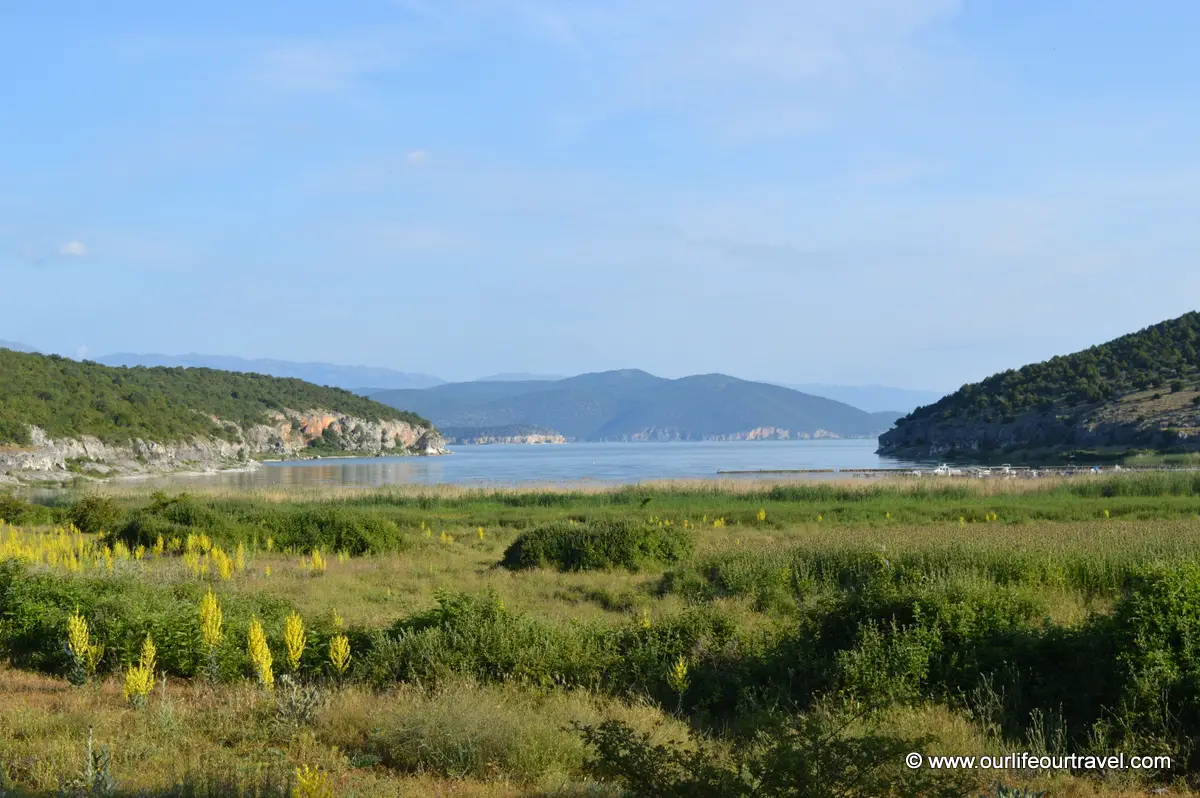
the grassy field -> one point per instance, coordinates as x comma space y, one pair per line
679, 639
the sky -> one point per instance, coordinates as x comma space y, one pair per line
908, 192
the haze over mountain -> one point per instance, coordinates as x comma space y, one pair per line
633, 405
519, 376
1139, 391
369, 380
872, 398
16, 347
338, 376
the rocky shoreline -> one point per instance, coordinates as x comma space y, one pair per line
287, 434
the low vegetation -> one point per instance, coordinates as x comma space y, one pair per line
603, 544
675, 640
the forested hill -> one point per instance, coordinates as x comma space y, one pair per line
68, 398
1141, 390
632, 405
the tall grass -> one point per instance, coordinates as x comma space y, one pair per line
1061, 615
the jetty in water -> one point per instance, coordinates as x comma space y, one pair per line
980, 472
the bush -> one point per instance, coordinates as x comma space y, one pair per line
597, 545
335, 528
1156, 627
807, 755
329, 526
477, 636
17, 512
120, 611
95, 514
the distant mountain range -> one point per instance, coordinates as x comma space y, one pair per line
520, 377
633, 405
16, 347
348, 377
369, 380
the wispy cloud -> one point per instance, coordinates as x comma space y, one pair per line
749, 69
773, 256
323, 66
403, 239
73, 249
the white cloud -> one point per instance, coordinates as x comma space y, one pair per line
418, 157
81, 352
72, 249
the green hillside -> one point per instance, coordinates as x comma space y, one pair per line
631, 404
1141, 390
67, 398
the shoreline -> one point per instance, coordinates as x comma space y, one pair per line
62, 480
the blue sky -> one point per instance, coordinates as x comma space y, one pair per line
909, 192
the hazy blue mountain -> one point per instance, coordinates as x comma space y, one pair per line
633, 405
16, 347
518, 376
872, 398
348, 377
887, 418
455, 400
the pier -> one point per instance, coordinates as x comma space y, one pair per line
980, 472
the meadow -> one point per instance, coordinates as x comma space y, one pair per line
714, 638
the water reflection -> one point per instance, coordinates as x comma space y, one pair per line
550, 464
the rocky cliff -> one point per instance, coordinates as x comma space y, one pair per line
469, 439
507, 433
288, 433
756, 434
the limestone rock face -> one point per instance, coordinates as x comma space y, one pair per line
431, 442
482, 438
756, 434
1089, 429
287, 434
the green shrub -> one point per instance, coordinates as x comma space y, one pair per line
597, 545
1156, 628
335, 528
808, 755
477, 636
302, 527
121, 611
18, 512
95, 514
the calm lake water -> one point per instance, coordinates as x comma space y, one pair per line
516, 464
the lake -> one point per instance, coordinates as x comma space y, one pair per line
612, 463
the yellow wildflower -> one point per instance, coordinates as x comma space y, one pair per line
210, 620
339, 653
311, 783
260, 654
295, 639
